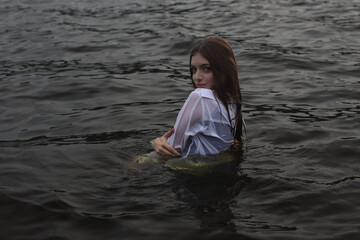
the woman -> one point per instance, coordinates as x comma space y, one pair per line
211, 117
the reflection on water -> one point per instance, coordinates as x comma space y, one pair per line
85, 86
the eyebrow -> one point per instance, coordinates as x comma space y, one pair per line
202, 65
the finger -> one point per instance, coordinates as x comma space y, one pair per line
166, 153
169, 133
171, 150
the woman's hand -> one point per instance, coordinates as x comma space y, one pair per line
161, 146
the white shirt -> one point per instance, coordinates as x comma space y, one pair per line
202, 126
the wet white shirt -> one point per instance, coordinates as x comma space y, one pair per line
202, 126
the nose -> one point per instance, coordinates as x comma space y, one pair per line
198, 76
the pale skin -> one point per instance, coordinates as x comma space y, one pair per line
161, 146
202, 77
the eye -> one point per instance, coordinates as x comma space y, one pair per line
207, 69
193, 69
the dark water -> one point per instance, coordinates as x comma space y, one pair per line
85, 85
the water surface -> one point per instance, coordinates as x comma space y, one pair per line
85, 85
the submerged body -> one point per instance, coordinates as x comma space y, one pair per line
203, 125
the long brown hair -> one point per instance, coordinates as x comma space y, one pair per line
223, 64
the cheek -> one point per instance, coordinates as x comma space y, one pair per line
193, 82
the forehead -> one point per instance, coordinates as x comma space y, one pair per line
198, 60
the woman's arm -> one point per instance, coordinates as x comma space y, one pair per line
189, 115
161, 146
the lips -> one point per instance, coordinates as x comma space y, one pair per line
200, 85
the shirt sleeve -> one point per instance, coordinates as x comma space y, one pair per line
189, 115
202, 125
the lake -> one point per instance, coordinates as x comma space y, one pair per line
86, 85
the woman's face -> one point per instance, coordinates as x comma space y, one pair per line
202, 74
